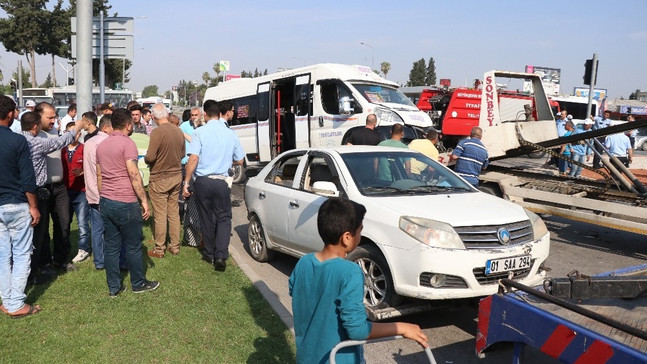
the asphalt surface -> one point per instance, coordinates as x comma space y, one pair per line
574, 245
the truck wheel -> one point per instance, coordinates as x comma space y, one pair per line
537, 154
492, 189
379, 291
644, 146
239, 174
256, 242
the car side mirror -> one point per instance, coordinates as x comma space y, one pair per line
325, 188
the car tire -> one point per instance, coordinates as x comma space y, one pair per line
379, 291
256, 243
537, 154
239, 175
644, 146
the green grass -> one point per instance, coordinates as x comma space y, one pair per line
196, 316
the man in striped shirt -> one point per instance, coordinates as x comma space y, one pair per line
471, 157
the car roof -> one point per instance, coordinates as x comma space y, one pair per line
345, 149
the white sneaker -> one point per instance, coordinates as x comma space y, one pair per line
81, 256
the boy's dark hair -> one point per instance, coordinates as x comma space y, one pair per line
120, 118
90, 115
145, 111
7, 105
28, 120
135, 107
225, 106
211, 108
337, 216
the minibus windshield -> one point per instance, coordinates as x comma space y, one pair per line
380, 94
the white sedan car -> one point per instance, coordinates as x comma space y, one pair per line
427, 234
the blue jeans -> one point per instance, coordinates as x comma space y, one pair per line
79, 206
576, 170
123, 225
96, 223
15, 246
562, 164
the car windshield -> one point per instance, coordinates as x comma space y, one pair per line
380, 94
406, 172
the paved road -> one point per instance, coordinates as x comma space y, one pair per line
574, 245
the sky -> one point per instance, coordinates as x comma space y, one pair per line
180, 40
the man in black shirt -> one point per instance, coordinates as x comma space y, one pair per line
367, 135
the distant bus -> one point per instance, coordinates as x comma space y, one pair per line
67, 95
37, 94
150, 101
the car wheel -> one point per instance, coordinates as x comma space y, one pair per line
644, 146
256, 241
379, 291
239, 174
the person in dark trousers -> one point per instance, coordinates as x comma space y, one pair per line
213, 150
120, 187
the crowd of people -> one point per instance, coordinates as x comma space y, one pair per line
88, 167
618, 145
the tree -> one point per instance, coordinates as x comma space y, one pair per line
417, 74
430, 74
150, 90
206, 77
216, 69
22, 31
634, 95
385, 67
57, 42
25, 77
48, 82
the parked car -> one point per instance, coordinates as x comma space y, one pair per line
427, 233
641, 139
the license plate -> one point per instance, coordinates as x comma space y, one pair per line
507, 264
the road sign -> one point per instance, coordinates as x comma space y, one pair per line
110, 25
114, 46
224, 66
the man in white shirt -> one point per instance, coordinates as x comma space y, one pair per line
69, 118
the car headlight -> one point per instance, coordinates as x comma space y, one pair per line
430, 232
387, 116
539, 228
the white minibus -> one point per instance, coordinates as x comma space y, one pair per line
310, 106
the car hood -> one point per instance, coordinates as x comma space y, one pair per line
479, 207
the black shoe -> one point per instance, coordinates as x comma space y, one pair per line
220, 264
147, 286
207, 259
115, 294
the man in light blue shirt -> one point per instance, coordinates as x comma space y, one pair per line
620, 147
213, 149
600, 123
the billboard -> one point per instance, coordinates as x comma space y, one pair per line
598, 93
550, 77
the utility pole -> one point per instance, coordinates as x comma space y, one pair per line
83, 80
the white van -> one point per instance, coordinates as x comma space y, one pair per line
150, 101
312, 106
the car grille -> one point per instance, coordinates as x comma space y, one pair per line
479, 274
452, 281
485, 236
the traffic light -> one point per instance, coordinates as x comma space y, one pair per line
13, 85
588, 69
70, 81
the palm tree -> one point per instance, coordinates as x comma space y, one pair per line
385, 67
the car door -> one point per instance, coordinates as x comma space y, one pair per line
304, 204
275, 197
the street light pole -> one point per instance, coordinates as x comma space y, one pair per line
372, 53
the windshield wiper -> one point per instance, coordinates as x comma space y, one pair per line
382, 189
438, 188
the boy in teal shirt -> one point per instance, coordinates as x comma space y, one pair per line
327, 292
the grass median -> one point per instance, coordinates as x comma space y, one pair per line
196, 316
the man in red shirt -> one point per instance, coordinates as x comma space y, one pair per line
72, 158
120, 188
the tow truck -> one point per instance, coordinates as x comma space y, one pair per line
516, 126
578, 319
